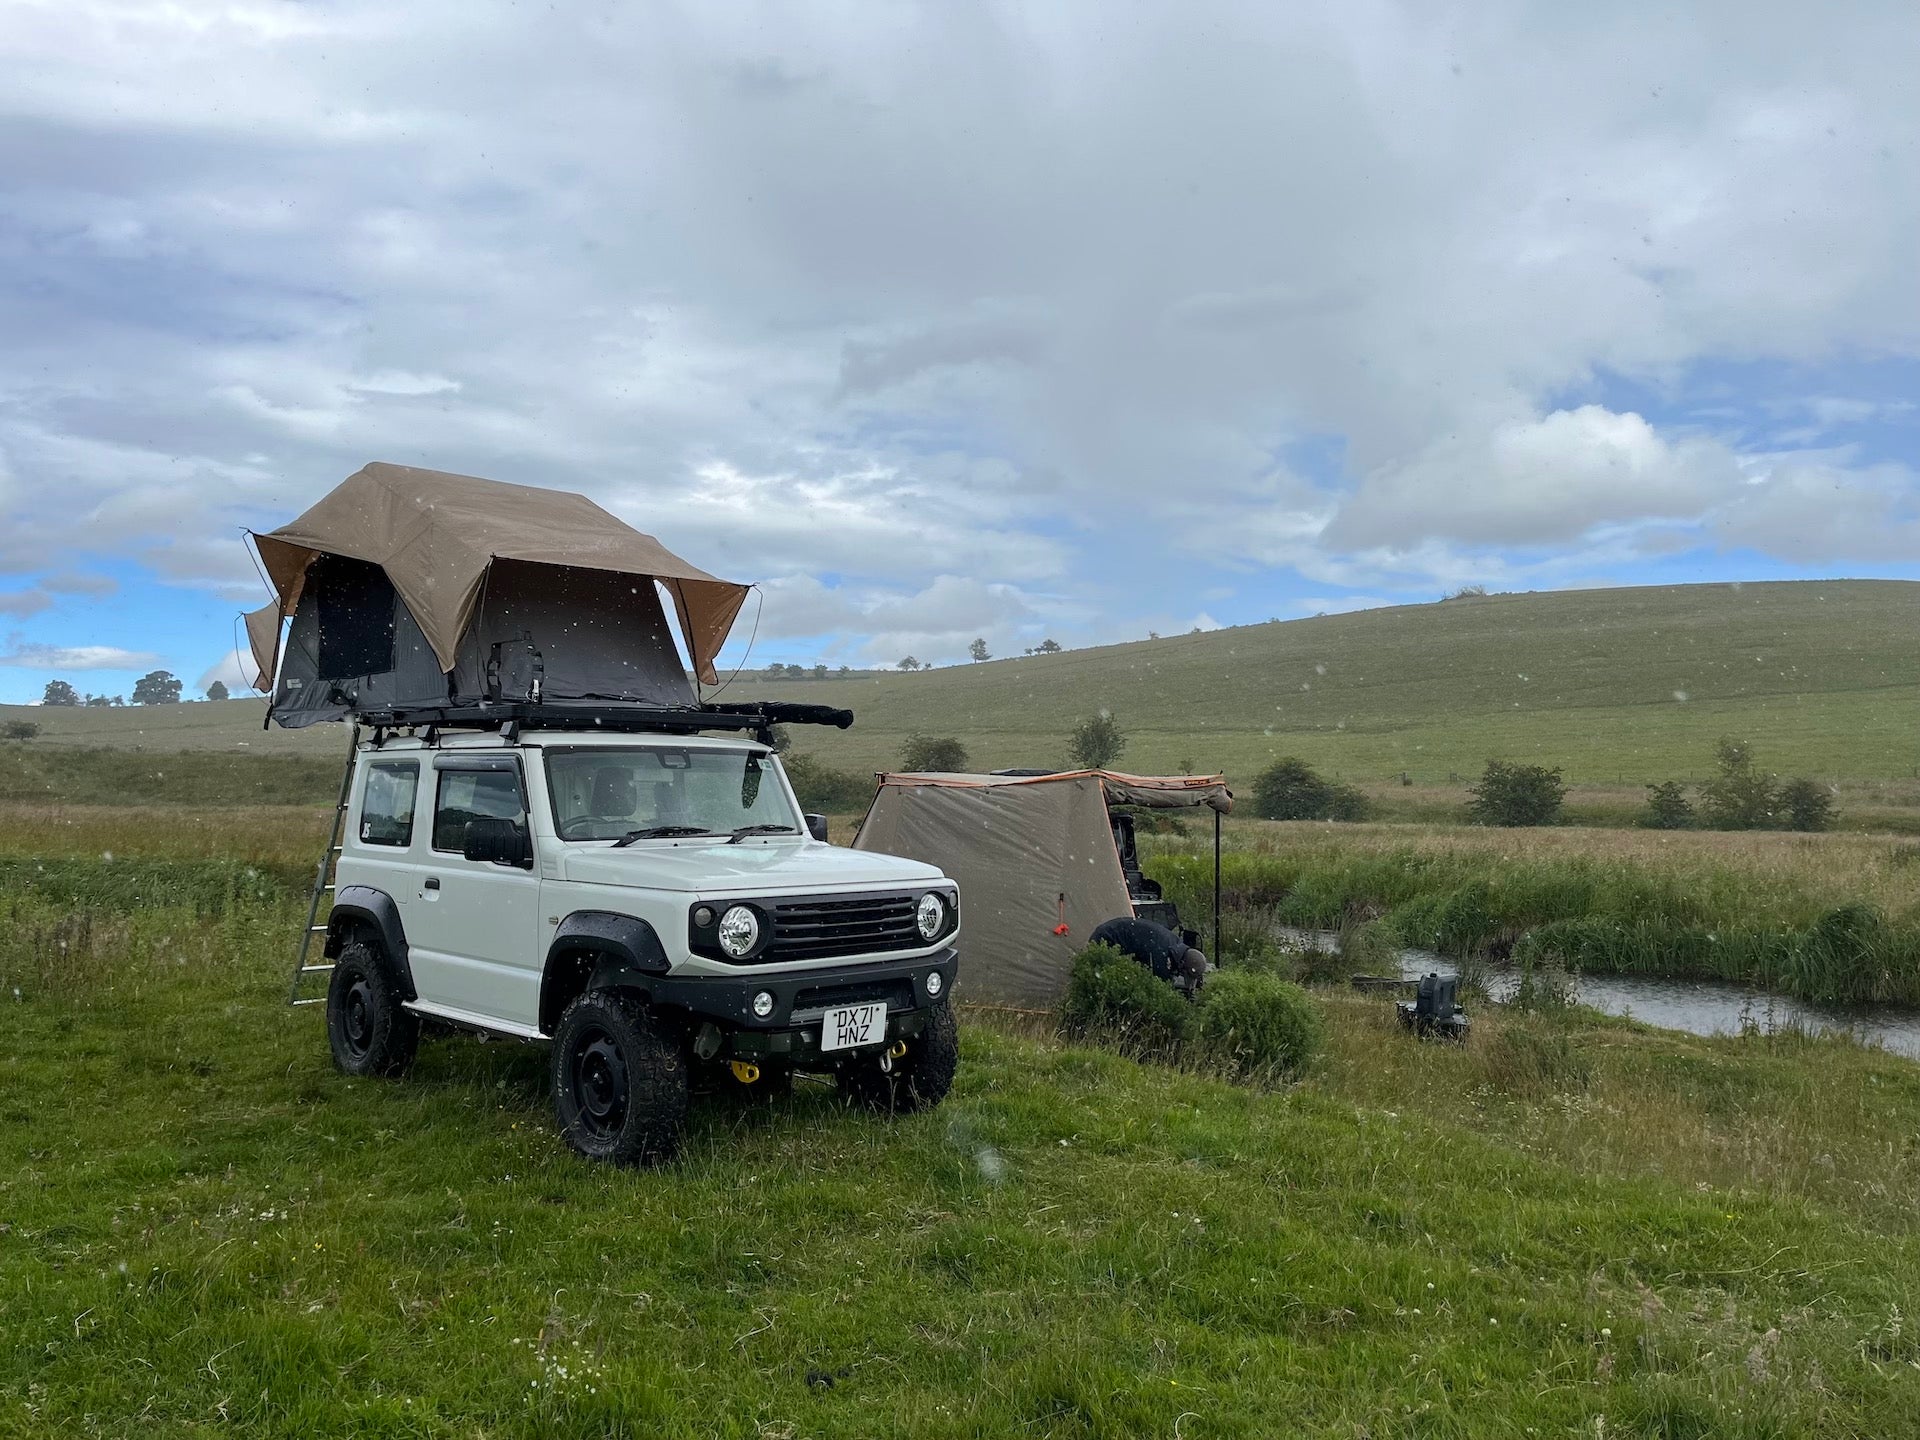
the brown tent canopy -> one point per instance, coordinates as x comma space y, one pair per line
437, 536
1035, 858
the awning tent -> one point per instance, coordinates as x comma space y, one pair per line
412, 588
1035, 860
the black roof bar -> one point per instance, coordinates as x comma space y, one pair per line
757, 716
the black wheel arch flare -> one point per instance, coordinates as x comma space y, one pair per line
596, 949
363, 905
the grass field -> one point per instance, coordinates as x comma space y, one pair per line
1619, 687
1565, 1228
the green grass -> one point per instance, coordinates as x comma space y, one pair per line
1822, 676
1575, 1229
102, 775
1828, 918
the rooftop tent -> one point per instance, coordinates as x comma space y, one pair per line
1032, 854
412, 588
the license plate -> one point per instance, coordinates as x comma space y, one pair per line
853, 1025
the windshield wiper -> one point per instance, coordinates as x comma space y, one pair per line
660, 832
745, 830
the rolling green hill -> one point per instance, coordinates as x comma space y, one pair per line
1617, 686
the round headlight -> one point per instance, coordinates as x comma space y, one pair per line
739, 931
931, 916
763, 1004
933, 984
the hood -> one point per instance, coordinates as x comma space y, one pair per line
754, 867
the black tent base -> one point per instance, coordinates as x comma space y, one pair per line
758, 717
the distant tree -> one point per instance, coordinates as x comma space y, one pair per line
59, 692
1047, 647
846, 669
819, 672
1742, 796
217, 690
907, 662
19, 730
102, 700
1508, 794
1807, 805
1667, 807
936, 753
1468, 592
1153, 634
978, 650
1290, 789
1096, 741
156, 687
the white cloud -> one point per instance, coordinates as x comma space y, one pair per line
233, 670
31, 656
994, 292
21, 603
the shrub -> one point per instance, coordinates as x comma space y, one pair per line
1289, 789
1509, 794
1113, 998
1667, 807
1742, 796
1806, 805
820, 787
19, 730
933, 753
1096, 742
1255, 1023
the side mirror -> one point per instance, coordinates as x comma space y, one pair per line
503, 842
817, 827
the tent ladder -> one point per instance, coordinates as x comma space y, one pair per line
323, 886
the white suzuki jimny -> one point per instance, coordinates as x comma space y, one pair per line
652, 904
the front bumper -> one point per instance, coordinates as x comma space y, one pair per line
791, 1033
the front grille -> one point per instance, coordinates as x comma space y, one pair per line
824, 928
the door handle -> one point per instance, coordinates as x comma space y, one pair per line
433, 882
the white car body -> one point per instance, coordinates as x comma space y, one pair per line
480, 939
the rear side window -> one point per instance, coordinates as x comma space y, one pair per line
386, 806
474, 795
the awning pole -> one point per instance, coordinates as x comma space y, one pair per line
1217, 956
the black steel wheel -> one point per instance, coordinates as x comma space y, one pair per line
619, 1081
919, 1079
369, 1028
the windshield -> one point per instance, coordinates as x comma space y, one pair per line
605, 794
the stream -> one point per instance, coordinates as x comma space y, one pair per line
1700, 1007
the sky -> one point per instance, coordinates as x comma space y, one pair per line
945, 320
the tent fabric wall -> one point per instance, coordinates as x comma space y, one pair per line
587, 635
1018, 852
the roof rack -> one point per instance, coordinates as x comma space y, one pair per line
510, 717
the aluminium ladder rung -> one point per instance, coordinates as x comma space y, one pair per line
317, 1000
314, 969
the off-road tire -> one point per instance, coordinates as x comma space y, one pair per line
369, 1028
919, 1080
619, 1080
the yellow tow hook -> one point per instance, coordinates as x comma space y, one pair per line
897, 1049
745, 1071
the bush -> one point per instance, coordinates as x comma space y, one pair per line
1742, 797
1096, 742
1255, 1023
1667, 807
1509, 794
819, 787
1114, 999
1289, 789
1806, 805
933, 754
19, 730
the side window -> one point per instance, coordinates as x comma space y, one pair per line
474, 795
386, 803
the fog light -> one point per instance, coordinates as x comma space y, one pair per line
763, 1004
933, 983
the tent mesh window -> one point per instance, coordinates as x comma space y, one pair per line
354, 602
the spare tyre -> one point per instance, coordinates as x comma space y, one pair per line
1154, 946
